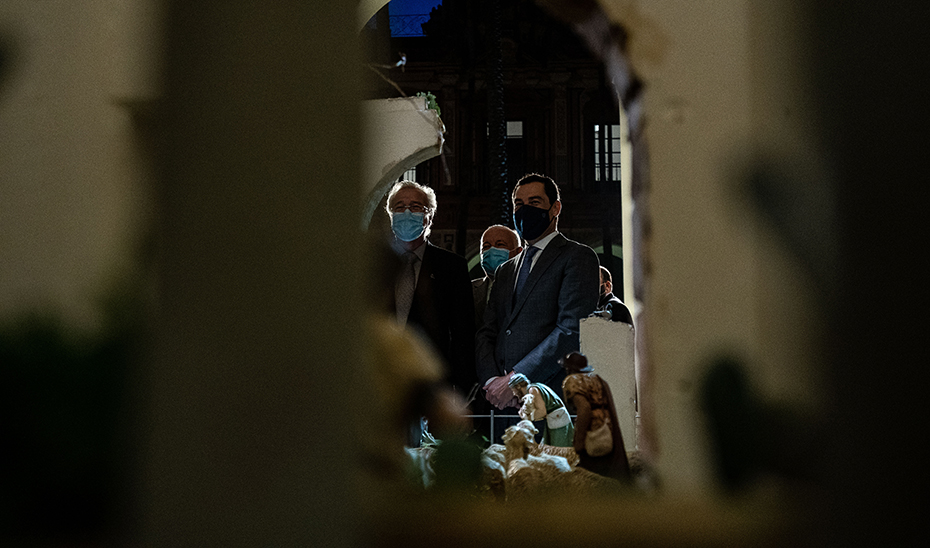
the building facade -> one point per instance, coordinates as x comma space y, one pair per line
560, 118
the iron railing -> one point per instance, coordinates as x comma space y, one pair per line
407, 25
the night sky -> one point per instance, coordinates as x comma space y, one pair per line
412, 7
407, 8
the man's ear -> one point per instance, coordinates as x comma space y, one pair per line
556, 208
515, 251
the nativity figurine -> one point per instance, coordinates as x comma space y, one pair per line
541, 402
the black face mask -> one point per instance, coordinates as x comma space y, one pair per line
531, 222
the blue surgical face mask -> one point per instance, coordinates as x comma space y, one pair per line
493, 257
531, 222
407, 226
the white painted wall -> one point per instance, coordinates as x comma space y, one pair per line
399, 133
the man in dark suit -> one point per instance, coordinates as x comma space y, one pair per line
433, 291
499, 244
609, 305
537, 299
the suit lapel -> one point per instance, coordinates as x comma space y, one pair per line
424, 284
504, 282
549, 255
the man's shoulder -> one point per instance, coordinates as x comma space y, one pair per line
440, 255
611, 298
619, 311
570, 246
573, 243
479, 282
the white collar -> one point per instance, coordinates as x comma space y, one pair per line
541, 244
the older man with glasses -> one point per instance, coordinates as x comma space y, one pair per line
433, 290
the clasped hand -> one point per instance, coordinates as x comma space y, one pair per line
499, 394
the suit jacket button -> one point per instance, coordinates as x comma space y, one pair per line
507, 332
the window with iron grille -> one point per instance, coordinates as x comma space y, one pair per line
409, 175
607, 152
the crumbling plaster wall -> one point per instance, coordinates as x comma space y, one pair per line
724, 97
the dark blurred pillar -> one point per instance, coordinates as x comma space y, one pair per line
248, 400
871, 61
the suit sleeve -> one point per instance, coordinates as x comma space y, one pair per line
462, 331
577, 299
486, 337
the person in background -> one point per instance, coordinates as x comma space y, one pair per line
609, 305
538, 298
499, 244
432, 292
405, 384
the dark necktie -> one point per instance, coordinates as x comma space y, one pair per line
524, 271
406, 285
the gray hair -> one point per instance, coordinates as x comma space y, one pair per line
428, 192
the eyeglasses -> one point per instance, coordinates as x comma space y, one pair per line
415, 208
